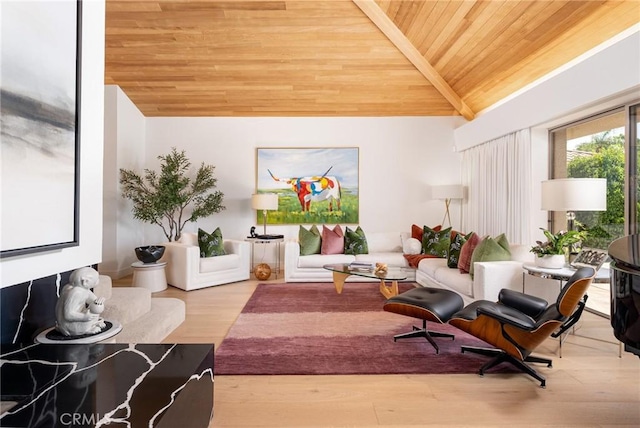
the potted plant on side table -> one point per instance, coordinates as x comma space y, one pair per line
552, 253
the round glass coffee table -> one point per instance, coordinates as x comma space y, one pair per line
341, 271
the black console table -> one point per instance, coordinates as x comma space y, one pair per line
121, 385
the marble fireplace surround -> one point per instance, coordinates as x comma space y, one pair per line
78, 385
101, 384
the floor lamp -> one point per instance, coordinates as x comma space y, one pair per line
574, 194
447, 193
264, 202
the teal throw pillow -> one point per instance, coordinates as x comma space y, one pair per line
355, 242
436, 242
310, 240
211, 244
457, 240
491, 250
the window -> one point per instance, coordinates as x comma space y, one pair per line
602, 146
594, 148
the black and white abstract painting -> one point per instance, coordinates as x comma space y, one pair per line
39, 141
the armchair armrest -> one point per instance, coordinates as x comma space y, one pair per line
530, 305
183, 263
491, 277
508, 315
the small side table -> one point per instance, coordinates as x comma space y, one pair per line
276, 241
150, 276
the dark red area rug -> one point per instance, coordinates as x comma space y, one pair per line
296, 328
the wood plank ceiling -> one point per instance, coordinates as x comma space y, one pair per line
345, 57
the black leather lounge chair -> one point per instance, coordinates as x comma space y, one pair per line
518, 323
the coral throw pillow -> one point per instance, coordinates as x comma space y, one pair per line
466, 252
332, 240
310, 240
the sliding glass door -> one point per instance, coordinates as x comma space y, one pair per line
633, 205
601, 146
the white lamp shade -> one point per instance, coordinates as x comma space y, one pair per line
574, 194
448, 191
264, 201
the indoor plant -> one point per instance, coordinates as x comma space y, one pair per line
163, 199
552, 253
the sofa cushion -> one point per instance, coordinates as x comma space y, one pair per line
219, 263
463, 284
211, 244
355, 242
318, 260
491, 250
310, 240
455, 246
430, 265
466, 252
332, 240
436, 243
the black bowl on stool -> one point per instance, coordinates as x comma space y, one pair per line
150, 253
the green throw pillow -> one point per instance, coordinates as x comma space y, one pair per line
457, 240
355, 242
211, 244
436, 243
491, 250
310, 240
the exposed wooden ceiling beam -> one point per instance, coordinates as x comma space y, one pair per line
389, 29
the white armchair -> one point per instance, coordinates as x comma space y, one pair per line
188, 271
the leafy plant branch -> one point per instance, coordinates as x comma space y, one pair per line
164, 199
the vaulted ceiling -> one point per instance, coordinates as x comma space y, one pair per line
345, 57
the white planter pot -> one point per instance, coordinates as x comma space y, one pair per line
552, 261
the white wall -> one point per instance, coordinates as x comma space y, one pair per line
124, 135
399, 158
19, 269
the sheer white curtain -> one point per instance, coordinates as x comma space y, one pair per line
497, 175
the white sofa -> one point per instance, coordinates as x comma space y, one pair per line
383, 248
188, 271
489, 277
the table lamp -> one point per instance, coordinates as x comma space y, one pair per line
574, 194
264, 202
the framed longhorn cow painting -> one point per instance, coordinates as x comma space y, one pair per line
314, 185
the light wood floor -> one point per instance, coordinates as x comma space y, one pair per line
590, 386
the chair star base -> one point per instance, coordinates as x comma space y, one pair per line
501, 356
424, 332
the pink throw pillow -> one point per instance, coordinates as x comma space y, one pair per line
332, 240
464, 262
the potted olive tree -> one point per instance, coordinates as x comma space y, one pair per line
172, 198
552, 253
